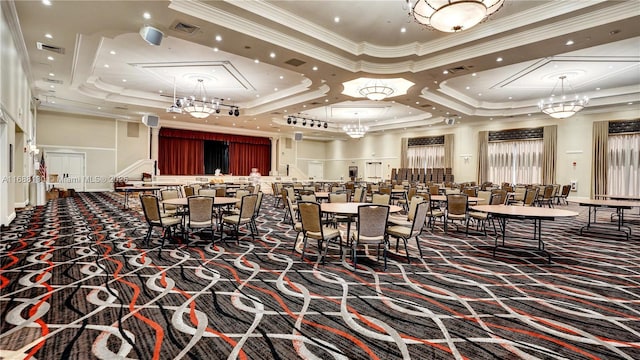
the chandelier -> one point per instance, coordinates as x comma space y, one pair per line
564, 106
454, 15
376, 90
197, 105
355, 132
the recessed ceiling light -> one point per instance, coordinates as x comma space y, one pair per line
479, 94
218, 38
403, 29
124, 80
629, 103
234, 124
112, 52
445, 72
597, 88
48, 36
53, 101
499, 59
46, 2
281, 77
272, 55
433, 108
257, 95
215, 49
490, 118
326, 100
510, 97
304, 106
51, 86
570, 42
315, 68
50, 58
99, 108
160, 91
106, 65
256, 61
417, 102
146, 15
474, 74
468, 87
257, 127
275, 89
52, 74
336, 19
174, 116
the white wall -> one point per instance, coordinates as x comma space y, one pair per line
16, 119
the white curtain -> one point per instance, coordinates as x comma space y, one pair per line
623, 175
425, 157
516, 162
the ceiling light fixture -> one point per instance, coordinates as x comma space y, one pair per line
454, 15
355, 131
197, 104
376, 90
564, 106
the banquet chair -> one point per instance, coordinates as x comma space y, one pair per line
154, 218
564, 194
547, 196
312, 228
406, 233
167, 194
407, 220
189, 191
358, 195
207, 192
371, 230
256, 212
201, 214
406, 197
432, 214
244, 217
457, 209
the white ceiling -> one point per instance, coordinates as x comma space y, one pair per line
530, 37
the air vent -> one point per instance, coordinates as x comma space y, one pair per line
52, 81
185, 28
121, 108
458, 69
51, 48
295, 62
315, 103
426, 105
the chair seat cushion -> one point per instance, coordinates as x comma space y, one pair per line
400, 220
436, 213
200, 223
397, 230
457, 216
168, 221
235, 219
366, 239
329, 233
478, 215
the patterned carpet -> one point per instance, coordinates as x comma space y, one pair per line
77, 282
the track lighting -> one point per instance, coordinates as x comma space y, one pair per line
326, 125
304, 122
293, 120
311, 124
289, 120
231, 111
236, 112
319, 124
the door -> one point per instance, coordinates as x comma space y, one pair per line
373, 171
315, 170
69, 168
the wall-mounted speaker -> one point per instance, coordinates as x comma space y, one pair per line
151, 120
151, 35
298, 136
449, 121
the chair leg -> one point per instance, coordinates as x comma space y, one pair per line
354, 256
148, 236
406, 250
419, 248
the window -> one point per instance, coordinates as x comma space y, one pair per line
516, 162
425, 157
623, 173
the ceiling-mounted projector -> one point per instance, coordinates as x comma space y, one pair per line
174, 109
449, 121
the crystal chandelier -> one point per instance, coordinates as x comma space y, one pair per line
376, 90
564, 106
454, 15
355, 132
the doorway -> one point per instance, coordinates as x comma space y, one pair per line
66, 170
373, 171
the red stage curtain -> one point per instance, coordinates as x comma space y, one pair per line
179, 156
201, 135
243, 157
181, 152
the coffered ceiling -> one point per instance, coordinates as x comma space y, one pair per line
273, 59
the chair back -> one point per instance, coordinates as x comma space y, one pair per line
308, 197
501, 193
220, 191
207, 192
470, 191
548, 192
565, 190
150, 207
381, 199
530, 197
457, 204
372, 220
485, 196
434, 190
358, 195
189, 191
496, 199
200, 208
248, 206
240, 193
338, 198
291, 193
411, 192
385, 190
258, 203
310, 216
413, 205
169, 194
420, 218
